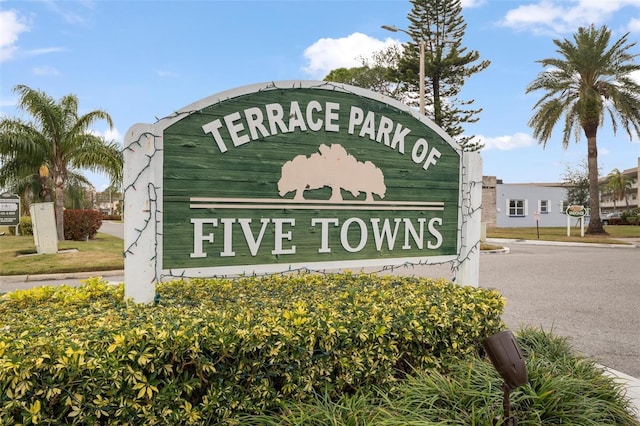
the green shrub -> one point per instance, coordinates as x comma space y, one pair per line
81, 225
213, 349
567, 388
563, 389
24, 227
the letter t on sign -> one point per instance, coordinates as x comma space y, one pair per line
214, 129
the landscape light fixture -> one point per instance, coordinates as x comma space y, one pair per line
502, 349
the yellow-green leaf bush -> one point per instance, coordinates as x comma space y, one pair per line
210, 349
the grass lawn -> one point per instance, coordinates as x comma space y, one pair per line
103, 253
560, 234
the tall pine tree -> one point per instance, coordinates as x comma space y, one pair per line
440, 24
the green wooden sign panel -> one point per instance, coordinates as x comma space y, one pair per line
306, 175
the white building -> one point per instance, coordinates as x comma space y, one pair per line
506, 205
519, 205
608, 204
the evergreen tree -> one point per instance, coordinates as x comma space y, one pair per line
440, 24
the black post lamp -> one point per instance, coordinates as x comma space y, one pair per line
506, 358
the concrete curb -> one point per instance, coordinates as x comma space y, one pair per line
504, 250
63, 276
631, 384
560, 243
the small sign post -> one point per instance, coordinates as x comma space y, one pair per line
10, 210
536, 216
579, 212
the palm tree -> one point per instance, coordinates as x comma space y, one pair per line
54, 146
619, 184
591, 80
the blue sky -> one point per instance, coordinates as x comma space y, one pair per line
139, 60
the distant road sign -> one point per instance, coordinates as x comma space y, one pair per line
576, 211
9, 209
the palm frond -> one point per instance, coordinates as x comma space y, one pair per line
57, 137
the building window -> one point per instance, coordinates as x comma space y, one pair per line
516, 207
543, 206
563, 206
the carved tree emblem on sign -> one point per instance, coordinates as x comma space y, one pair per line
332, 166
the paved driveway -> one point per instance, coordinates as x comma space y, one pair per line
589, 294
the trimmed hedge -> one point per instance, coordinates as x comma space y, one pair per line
213, 349
81, 225
25, 227
630, 217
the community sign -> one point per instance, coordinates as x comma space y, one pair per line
9, 209
289, 175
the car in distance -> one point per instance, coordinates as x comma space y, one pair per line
613, 218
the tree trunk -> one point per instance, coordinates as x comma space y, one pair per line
437, 105
595, 224
59, 206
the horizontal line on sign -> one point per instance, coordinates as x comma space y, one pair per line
372, 206
284, 201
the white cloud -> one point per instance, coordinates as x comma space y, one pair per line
634, 25
472, 3
109, 135
166, 74
46, 70
327, 54
7, 101
12, 25
43, 51
507, 142
74, 17
562, 16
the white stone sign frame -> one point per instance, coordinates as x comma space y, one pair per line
143, 205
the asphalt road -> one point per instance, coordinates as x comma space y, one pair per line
591, 295
112, 228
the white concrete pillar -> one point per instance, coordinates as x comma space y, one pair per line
469, 270
142, 210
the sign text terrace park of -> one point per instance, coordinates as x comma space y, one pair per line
276, 177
